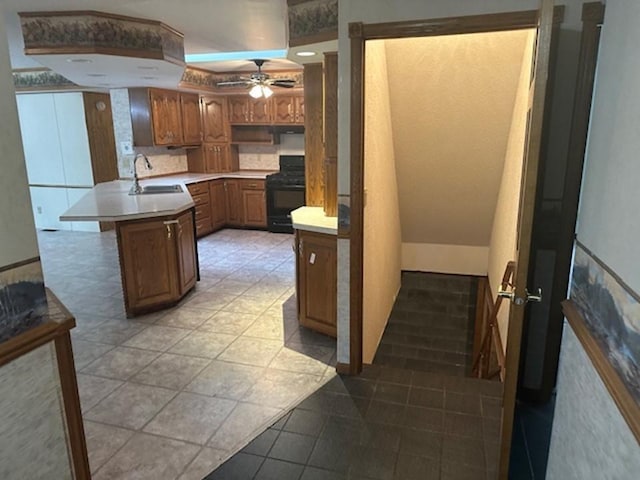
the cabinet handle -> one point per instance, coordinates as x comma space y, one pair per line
253, 185
301, 248
168, 231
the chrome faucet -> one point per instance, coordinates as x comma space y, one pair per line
136, 185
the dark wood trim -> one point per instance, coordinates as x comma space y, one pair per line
629, 408
593, 12
95, 13
483, 285
27, 341
72, 410
356, 246
492, 22
343, 368
21, 263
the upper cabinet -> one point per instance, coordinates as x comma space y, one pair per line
288, 109
215, 127
164, 118
244, 109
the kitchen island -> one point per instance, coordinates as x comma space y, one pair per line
156, 241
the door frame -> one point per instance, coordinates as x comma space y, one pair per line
359, 33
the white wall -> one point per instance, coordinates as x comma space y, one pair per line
502, 248
382, 237
589, 439
17, 231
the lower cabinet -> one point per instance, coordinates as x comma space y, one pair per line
234, 203
157, 260
254, 203
316, 281
218, 204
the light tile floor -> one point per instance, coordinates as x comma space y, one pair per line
171, 395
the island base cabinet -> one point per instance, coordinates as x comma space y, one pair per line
157, 261
316, 281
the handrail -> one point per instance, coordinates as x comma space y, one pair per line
491, 335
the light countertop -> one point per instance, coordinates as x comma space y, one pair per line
313, 219
111, 202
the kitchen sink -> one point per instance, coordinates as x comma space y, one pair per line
149, 189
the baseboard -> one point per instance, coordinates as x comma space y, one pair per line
454, 259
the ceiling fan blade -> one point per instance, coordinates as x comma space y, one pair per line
235, 83
283, 83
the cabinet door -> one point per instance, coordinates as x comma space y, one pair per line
191, 127
238, 109
211, 158
148, 263
254, 206
283, 109
214, 119
317, 281
298, 103
165, 114
260, 110
234, 202
225, 159
218, 204
186, 249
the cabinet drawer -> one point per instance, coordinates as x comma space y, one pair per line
201, 198
203, 226
203, 210
197, 188
252, 184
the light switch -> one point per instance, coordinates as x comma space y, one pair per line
312, 258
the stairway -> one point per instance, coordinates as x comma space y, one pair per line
430, 328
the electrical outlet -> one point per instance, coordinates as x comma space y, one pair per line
126, 147
39, 209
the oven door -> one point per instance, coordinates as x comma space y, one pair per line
281, 200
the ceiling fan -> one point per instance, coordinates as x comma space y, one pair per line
260, 82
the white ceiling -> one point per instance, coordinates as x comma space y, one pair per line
208, 26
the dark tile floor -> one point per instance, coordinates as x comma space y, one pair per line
431, 325
420, 421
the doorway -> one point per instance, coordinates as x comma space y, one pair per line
360, 34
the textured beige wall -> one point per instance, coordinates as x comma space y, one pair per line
381, 216
451, 105
17, 230
502, 248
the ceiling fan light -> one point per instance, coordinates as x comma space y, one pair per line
266, 91
256, 91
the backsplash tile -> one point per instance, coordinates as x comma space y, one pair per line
266, 157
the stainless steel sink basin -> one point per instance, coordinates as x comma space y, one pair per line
149, 189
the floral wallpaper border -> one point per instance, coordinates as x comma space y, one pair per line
40, 79
195, 77
100, 31
23, 299
313, 18
612, 313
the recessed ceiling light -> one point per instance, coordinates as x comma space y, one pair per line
96, 75
147, 67
305, 54
79, 60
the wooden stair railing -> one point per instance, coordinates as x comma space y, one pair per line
488, 316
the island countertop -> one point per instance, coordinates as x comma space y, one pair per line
111, 202
313, 219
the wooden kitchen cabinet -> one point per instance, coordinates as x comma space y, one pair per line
244, 109
157, 260
215, 127
164, 118
234, 202
190, 115
316, 281
200, 195
213, 158
218, 202
254, 203
288, 109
